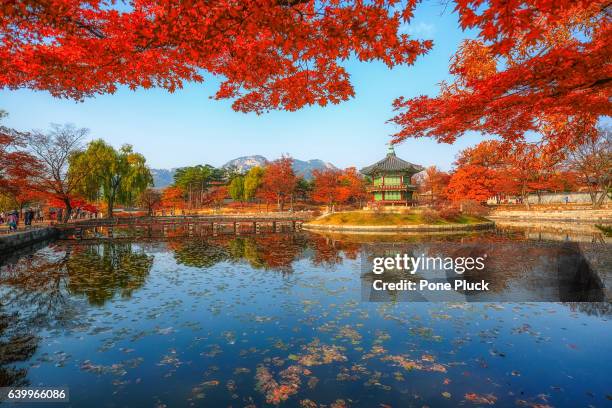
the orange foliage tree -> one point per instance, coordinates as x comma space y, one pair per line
433, 182
17, 166
173, 198
356, 185
332, 187
216, 196
278, 182
472, 182
328, 188
488, 170
536, 66
272, 53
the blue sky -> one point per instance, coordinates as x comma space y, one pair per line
188, 128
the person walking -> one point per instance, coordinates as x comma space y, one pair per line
12, 221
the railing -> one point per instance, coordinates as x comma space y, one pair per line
394, 187
183, 219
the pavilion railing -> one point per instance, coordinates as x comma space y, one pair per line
395, 187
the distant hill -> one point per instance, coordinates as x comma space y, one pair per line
164, 177
246, 163
301, 167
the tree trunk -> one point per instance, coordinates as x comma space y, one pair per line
601, 199
68, 211
110, 206
593, 195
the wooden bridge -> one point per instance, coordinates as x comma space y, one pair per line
190, 225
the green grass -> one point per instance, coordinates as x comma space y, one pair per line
365, 218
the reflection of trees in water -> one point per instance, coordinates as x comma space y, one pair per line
16, 344
274, 251
37, 293
36, 286
329, 251
199, 253
45, 279
100, 271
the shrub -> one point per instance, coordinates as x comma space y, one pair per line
471, 207
449, 212
430, 216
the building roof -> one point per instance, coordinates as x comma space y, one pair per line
392, 163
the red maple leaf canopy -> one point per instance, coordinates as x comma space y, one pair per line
272, 54
537, 67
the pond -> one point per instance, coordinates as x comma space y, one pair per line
281, 319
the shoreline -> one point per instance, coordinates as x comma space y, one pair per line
358, 229
22, 239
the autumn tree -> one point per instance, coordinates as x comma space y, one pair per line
194, 181
252, 182
538, 67
592, 164
150, 199
329, 188
115, 175
433, 182
278, 182
236, 188
272, 54
471, 182
216, 196
16, 164
356, 185
20, 198
530, 169
54, 150
519, 170
173, 198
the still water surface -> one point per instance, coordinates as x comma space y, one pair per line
281, 319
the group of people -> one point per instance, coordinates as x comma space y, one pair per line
12, 218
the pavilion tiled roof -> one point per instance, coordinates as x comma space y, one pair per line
391, 163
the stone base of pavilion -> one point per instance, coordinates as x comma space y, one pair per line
394, 229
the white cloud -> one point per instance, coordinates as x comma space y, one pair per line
419, 30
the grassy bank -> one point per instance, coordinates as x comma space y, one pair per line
369, 218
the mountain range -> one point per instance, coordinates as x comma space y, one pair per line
165, 177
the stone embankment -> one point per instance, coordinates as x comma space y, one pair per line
601, 216
15, 240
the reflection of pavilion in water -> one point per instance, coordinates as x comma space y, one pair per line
515, 271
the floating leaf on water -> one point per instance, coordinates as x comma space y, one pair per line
486, 399
306, 403
427, 357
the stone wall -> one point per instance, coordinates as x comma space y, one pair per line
20, 239
555, 198
601, 216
